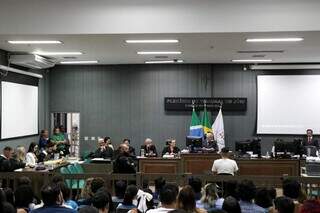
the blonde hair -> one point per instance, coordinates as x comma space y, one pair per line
20, 153
86, 191
209, 194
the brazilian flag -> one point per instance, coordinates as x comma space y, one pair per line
205, 121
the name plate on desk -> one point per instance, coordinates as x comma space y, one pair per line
212, 104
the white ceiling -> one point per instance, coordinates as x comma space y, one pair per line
209, 31
195, 47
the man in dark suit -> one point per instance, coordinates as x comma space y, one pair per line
149, 148
309, 140
124, 162
132, 150
5, 159
104, 151
209, 143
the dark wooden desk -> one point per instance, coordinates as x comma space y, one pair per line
160, 165
198, 163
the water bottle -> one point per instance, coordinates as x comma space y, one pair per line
142, 152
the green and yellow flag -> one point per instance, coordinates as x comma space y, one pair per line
206, 123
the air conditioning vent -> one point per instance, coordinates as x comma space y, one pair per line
261, 51
258, 56
32, 61
161, 57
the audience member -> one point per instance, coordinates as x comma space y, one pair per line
129, 196
231, 205
158, 184
171, 148
88, 209
120, 189
310, 206
196, 185
66, 193
149, 148
124, 163
168, 199
224, 166
24, 198
247, 191
100, 200
53, 200
9, 195
263, 198
292, 189
103, 151
186, 200
86, 191
209, 197
132, 150
31, 157
5, 207
44, 139
284, 205
230, 189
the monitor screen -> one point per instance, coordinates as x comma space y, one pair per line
194, 141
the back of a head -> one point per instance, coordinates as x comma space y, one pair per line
230, 189
291, 188
210, 193
57, 179
284, 205
247, 190
100, 199
231, 205
130, 193
23, 196
66, 192
50, 194
186, 199
88, 209
263, 198
225, 152
96, 184
120, 189
196, 184
168, 194
159, 183
310, 206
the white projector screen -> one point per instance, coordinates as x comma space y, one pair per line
288, 104
19, 110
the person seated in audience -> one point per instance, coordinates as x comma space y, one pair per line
292, 189
168, 199
104, 151
44, 139
48, 153
224, 166
310, 206
31, 157
86, 191
196, 185
120, 189
247, 191
5, 164
100, 200
124, 162
66, 193
5, 206
132, 150
209, 143
209, 197
284, 205
129, 196
309, 140
9, 195
231, 205
52, 200
149, 148
24, 199
159, 183
88, 209
187, 201
108, 142
263, 198
171, 148
59, 141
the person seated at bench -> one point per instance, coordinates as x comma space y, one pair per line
48, 153
171, 148
149, 148
104, 151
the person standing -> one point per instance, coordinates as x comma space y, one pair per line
225, 165
309, 140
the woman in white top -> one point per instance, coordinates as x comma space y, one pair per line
31, 158
225, 166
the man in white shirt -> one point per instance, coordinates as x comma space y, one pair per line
224, 166
168, 199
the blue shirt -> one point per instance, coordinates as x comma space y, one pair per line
54, 209
72, 204
248, 207
43, 143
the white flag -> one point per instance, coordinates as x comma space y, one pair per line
218, 130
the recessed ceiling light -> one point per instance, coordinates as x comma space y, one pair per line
273, 39
159, 53
152, 41
56, 53
164, 62
34, 42
251, 60
78, 62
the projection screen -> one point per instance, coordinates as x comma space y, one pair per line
288, 104
19, 110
